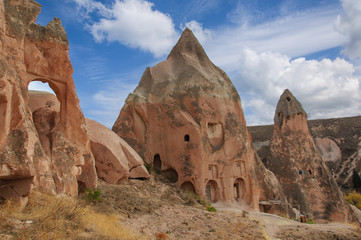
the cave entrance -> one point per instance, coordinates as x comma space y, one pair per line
239, 188
171, 175
188, 187
212, 191
157, 163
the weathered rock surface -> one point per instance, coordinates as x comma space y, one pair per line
185, 119
332, 137
57, 157
115, 160
294, 159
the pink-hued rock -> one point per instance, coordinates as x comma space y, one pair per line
40, 99
330, 153
294, 159
115, 160
185, 119
47, 151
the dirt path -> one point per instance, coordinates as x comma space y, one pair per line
276, 227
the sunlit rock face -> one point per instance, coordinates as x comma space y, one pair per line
115, 160
294, 159
185, 118
39, 148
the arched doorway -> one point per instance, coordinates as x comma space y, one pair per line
239, 188
212, 191
188, 187
157, 163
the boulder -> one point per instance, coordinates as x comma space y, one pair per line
115, 161
294, 159
47, 151
185, 119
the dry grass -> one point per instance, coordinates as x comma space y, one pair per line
51, 217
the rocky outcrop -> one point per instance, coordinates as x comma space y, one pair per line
294, 159
43, 150
185, 119
337, 140
115, 160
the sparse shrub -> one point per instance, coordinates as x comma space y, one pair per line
93, 196
211, 209
354, 198
52, 217
310, 221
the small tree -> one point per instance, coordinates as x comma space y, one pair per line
356, 180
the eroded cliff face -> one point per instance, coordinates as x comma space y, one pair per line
185, 118
53, 154
294, 159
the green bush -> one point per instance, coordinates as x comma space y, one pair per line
93, 196
354, 198
310, 221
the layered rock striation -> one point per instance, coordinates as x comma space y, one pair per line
294, 159
44, 150
185, 119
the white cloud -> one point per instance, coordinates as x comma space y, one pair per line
201, 34
294, 35
349, 24
133, 23
325, 88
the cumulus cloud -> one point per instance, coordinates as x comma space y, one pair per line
294, 35
133, 23
326, 88
349, 24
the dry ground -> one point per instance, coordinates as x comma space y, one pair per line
153, 209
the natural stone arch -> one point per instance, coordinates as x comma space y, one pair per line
59, 89
239, 188
188, 187
212, 191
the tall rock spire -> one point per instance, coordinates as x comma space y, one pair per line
294, 159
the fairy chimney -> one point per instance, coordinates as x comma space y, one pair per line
294, 159
186, 120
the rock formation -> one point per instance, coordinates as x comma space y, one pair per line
294, 159
115, 160
337, 140
185, 119
53, 154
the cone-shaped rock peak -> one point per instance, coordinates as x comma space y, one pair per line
185, 119
188, 45
288, 107
187, 69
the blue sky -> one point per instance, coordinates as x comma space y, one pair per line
312, 47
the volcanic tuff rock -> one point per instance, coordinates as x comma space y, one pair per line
115, 160
336, 139
57, 157
185, 118
294, 159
